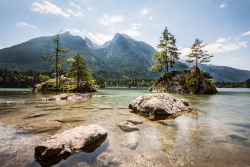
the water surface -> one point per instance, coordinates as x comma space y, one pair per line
216, 133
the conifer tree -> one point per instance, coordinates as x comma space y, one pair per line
198, 55
79, 70
58, 58
169, 54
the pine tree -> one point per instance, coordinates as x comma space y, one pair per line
59, 58
79, 70
198, 55
169, 54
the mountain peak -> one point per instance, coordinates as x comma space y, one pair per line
122, 35
91, 44
66, 33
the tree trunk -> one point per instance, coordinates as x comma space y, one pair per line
57, 50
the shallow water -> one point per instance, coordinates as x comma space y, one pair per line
216, 133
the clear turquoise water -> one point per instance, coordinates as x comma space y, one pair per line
216, 133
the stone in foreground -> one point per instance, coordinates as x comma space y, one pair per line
80, 139
159, 106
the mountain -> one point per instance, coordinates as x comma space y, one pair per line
28, 55
121, 57
223, 73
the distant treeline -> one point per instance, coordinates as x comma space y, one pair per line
128, 83
245, 84
20, 79
27, 79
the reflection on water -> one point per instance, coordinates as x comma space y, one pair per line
216, 133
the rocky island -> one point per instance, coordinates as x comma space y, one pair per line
189, 81
66, 85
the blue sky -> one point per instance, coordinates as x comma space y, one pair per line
222, 24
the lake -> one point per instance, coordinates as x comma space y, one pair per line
215, 133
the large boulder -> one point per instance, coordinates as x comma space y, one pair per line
159, 106
83, 138
190, 81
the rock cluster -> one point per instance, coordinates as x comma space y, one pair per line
159, 106
72, 96
190, 81
83, 138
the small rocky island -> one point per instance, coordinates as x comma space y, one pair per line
189, 81
159, 106
66, 85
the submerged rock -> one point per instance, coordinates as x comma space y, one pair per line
130, 140
71, 119
72, 96
190, 81
37, 115
135, 120
128, 126
159, 106
83, 138
39, 127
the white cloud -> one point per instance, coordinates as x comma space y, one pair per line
23, 24
78, 13
222, 5
78, 32
222, 45
107, 20
1, 47
220, 40
89, 8
48, 8
246, 33
133, 31
99, 38
184, 51
74, 5
225, 47
143, 12
150, 18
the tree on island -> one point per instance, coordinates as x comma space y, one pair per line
79, 70
169, 54
59, 58
198, 55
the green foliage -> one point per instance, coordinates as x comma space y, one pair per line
124, 83
79, 70
194, 78
165, 78
169, 54
232, 84
198, 55
43, 78
248, 83
20, 79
